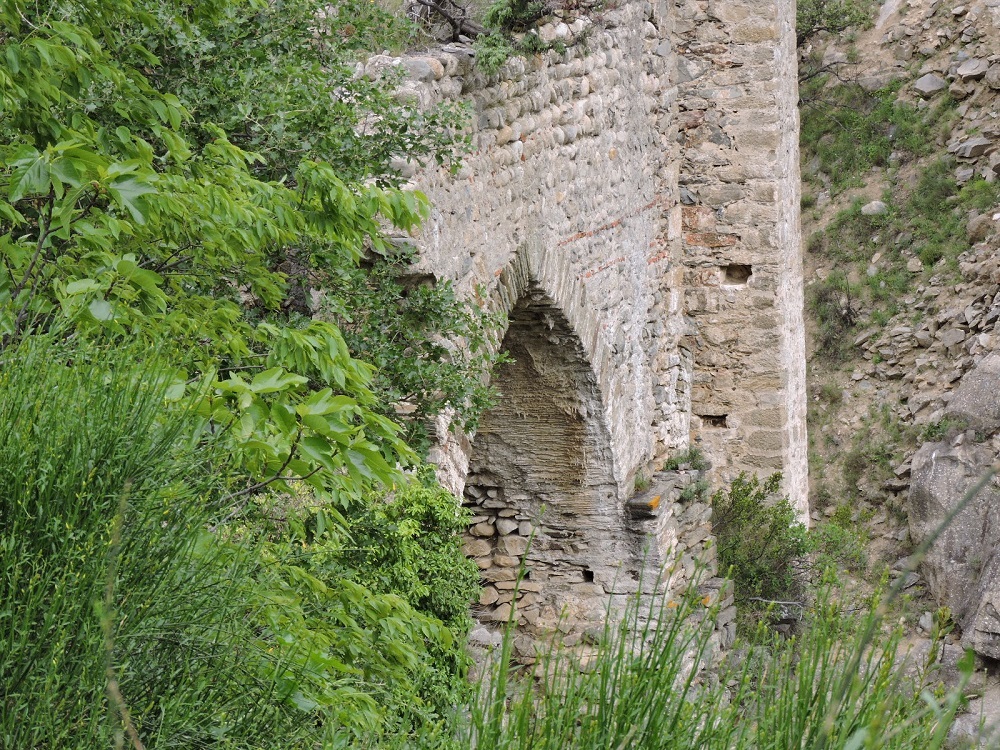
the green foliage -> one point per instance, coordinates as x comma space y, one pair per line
841, 685
126, 213
143, 232
942, 429
694, 491
759, 540
851, 130
831, 393
492, 51
243, 633
936, 211
832, 303
928, 218
409, 545
169, 190
396, 324
513, 15
106, 572
692, 458
258, 70
839, 544
866, 457
872, 451
509, 31
833, 16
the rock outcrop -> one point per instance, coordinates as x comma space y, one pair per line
962, 568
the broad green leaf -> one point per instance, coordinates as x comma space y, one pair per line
276, 379
83, 286
319, 450
11, 214
127, 192
30, 179
284, 417
101, 309
324, 402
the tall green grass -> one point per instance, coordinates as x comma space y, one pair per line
121, 617
129, 618
654, 682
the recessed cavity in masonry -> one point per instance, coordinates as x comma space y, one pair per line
542, 471
714, 420
737, 273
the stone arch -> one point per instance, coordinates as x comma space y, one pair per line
532, 268
542, 467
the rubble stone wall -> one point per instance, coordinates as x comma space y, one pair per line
630, 200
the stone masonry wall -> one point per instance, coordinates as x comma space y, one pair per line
572, 179
631, 202
738, 127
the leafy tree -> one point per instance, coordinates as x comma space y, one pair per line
126, 211
167, 188
279, 78
394, 321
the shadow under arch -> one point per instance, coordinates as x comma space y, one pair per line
542, 467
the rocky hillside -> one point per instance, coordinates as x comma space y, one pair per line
901, 211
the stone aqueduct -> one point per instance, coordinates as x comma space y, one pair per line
631, 201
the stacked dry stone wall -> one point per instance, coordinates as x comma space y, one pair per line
630, 202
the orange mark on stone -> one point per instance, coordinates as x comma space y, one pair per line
604, 266
654, 502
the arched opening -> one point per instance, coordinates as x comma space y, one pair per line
542, 469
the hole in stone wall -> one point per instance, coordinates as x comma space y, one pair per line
714, 420
737, 273
588, 575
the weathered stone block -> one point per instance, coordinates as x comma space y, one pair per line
477, 548
755, 30
506, 526
514, 546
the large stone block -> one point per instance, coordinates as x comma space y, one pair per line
976, 400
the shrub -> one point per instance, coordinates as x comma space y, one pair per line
115, 599
839, 545
936, 211
851, 130
126, 592
833, 303
833, 16
408, 330
759, 539
693, 457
